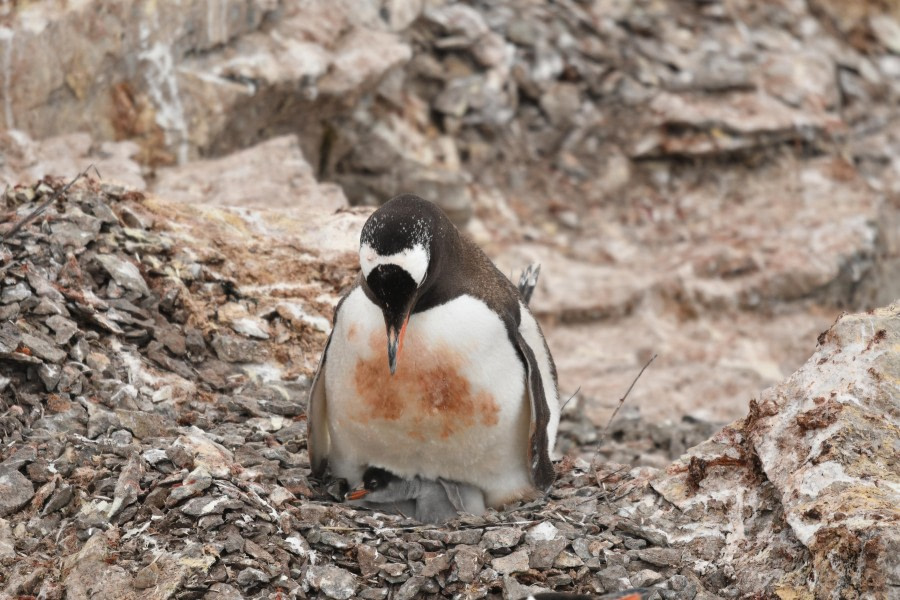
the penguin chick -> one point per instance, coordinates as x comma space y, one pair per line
435, 501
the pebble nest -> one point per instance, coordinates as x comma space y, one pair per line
114, 482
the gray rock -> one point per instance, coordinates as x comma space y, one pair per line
568, 560
513, 563
209, 505
15, 491
251, 577
544, 552
502, 537
332, 581
410, 588
614, 578
14, 293
43, 349
63, 328
10, 336
233, 349
49, 375
124, 273
194, 482
467, 560
543, 531
7, 543
661, 557
645, 578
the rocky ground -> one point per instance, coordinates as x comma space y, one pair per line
710, 182
151, 449
154, 443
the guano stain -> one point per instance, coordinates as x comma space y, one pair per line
428, 390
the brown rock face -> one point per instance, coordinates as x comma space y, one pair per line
818, 452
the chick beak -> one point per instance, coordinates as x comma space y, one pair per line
395, 343
357, 494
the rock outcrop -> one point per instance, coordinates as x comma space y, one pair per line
710, 182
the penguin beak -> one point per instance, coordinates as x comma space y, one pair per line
395, 343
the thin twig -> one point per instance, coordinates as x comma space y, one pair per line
622, 400
575, 393
43, 205
428, 527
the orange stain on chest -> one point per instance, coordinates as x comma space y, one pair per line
428, 389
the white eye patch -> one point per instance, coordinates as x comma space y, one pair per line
412, 260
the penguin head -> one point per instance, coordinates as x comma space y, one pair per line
380, 486
395, 252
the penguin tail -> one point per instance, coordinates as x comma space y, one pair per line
528, 281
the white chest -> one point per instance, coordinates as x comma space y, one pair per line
454, 408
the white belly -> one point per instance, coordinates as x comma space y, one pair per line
455, 408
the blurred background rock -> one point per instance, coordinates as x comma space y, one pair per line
710, 181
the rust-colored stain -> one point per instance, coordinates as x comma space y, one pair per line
352, 332
428, 389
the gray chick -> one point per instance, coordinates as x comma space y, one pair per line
428, 500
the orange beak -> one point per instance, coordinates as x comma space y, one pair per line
357, 494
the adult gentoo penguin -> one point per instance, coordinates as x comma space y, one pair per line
434, 367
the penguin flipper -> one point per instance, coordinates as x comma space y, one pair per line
542, 474
318, 441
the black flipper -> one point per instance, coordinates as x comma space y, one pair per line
542, 474
318, 441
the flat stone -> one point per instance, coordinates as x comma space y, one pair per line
15, 293
7, 544
43, 349
209, 505
204, 452
63, 328
10, 336
194, 482
543, 531
15, 491
503, 537
614, 578
143, 425
124, 273
645, 578
251, 577
73, 235
468, 562
332, 581
410, 588
568, 560
661, 557
234, 349
544, 552
513, 563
